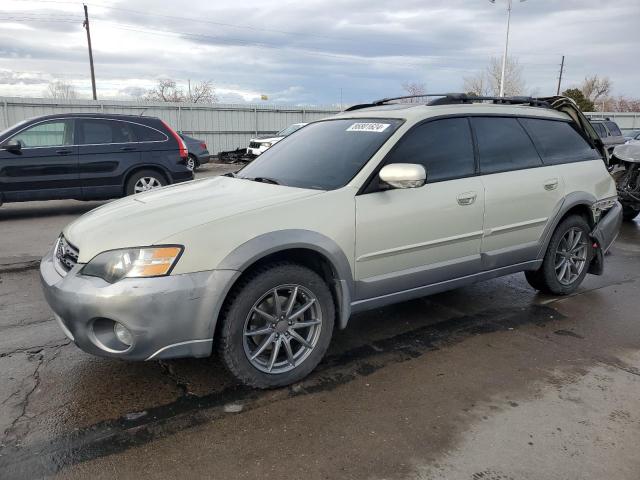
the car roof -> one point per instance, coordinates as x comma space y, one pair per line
110, 116
419, 112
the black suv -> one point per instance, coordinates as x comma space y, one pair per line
89, 157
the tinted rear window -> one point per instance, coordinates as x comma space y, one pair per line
443, 147
558, 142
613, 129
503, 145
147, 134
94, 132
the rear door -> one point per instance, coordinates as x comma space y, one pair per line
107, 149
45, 168
521, 193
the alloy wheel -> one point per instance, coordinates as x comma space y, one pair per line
146, 183
571, 256
282, 328
191, 164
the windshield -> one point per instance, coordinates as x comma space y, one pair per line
290, 129
324, 155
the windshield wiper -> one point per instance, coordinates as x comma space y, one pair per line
230, 174
264, 180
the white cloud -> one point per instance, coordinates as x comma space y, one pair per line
310, 52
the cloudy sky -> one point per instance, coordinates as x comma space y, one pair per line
312, 51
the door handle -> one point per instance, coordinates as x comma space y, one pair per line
63, 152
128, 149
551, 184
467, 198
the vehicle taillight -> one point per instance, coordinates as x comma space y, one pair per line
203, 146
184, 153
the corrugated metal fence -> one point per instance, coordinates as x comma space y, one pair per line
223, 127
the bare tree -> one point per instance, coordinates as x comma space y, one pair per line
618, 104
487, 82
165, 91
595, 87
202, 92
413, 88
61, 90
168, 91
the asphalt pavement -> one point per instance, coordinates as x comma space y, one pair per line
491, 381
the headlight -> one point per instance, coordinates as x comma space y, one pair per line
267, 144
133, 262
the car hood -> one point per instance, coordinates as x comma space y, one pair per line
147, 218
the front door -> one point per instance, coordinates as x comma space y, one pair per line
45, 167
408, 238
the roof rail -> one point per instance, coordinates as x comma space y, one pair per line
458, 98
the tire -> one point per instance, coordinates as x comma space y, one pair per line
135, 183
552, 277
236, 344
193, 163
629, 213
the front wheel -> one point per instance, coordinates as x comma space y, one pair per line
566, 261
276, 325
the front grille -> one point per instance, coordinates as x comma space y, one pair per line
66, 254
254, 144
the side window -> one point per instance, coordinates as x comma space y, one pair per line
600, 130
443, 147
96, 132
503, 145
558, 142
47, 134
146, 134
613, 129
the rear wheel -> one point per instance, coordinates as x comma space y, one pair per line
566, 261
276, 326
192, 163
143, 181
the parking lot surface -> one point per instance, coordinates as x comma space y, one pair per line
491, 381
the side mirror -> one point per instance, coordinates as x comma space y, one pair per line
403, 175
12, 146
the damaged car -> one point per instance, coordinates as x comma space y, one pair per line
259, 145
383, 203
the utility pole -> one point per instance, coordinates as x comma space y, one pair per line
506, 49
189, 81
560, 77
93, 75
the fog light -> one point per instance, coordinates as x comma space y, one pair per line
123, 334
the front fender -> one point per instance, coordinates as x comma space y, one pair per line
268, 243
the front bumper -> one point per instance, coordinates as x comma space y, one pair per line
169, 317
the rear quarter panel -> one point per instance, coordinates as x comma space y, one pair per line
591, 177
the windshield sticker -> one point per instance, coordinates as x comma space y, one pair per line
368, 127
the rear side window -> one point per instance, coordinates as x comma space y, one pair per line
96, 132
503, 145
600, 130
443, 147
558, 142
147, 134
613, 129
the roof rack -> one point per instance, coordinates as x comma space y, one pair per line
456, 99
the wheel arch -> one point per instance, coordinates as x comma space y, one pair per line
311, 249
575, 203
